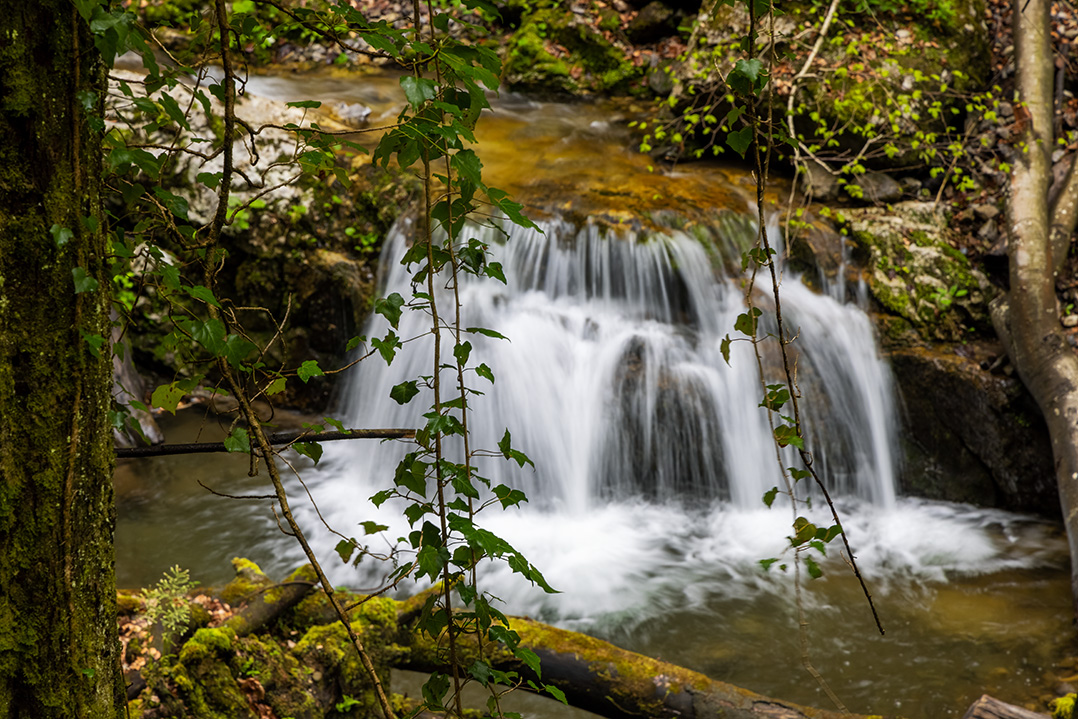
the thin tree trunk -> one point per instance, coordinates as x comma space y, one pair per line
1046, 363
58, 646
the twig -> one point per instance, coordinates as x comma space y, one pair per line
280, 438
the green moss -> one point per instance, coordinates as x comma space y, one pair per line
328, 649
249, 582
288, 683
916, 274
1063, 707
207, 643
592, 64
631, 675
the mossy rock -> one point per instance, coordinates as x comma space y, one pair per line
249, 582
534, 59
870, 88
915, 273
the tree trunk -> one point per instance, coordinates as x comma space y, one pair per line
1045, 362
58, 645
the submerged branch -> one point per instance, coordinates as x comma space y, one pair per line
279, 438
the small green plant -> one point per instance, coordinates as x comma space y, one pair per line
166, 602
943, 298
347, 703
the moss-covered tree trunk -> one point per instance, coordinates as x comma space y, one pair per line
58, 646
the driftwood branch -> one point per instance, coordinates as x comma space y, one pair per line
280, 438
988, 708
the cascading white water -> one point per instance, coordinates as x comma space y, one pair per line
613, 382
651, 453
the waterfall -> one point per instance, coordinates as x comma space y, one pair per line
612, 379
651, 454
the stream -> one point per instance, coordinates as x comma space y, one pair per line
651, 453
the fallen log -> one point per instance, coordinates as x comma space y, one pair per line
599, 677
990, 708
305, 663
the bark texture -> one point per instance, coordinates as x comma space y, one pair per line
58, 645
1030, 326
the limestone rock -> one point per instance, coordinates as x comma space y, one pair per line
915, 273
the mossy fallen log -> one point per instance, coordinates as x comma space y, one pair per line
599, 677
281, 654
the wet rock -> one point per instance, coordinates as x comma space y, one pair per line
1070, 321
985, 212
879, 187
911, 185
989, 232
817, 183
654, 22
352, 113
970, 435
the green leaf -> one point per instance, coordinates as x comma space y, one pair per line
505, 444
480, 671
167, 397
83, 282
746, 322
813, 568
418, 90
558, 694
95, 342
461, 352
766, 563
370, 527
210, 334
309, 369
467, 163
238, 441
276, 386
739, 140
345, 548
404, 392
486, 333
484, 371
390, 308
387, 346
305, 104
172, 108
61, 235
747, 77
786, 435
211, 180
309, 449
724, 348
769, 496
530, 658
203, 294
494, 271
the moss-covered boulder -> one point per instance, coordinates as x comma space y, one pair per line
554, 51
916, 275
298, 662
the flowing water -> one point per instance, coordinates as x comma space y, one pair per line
652, 454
